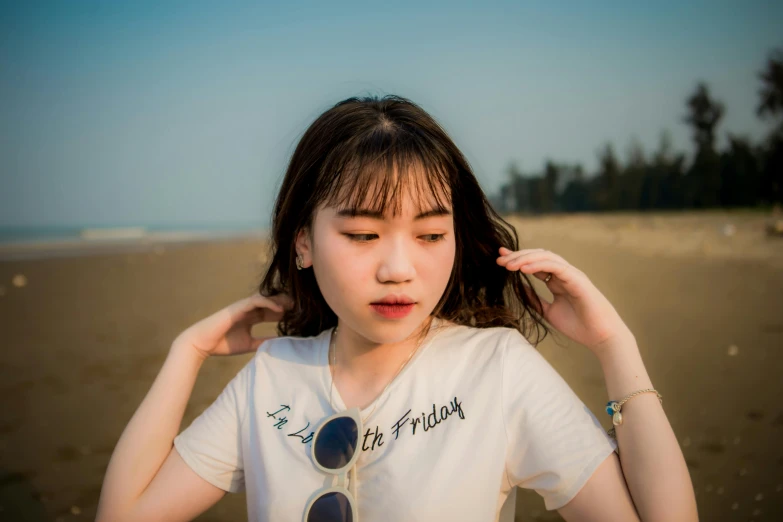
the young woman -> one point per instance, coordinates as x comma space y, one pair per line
404, 384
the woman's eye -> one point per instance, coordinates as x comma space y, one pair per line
365, 238
361, 238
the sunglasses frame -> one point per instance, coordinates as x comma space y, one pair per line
339, 476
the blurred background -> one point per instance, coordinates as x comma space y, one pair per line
142, 146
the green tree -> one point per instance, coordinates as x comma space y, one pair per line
575, 197
666, 185
703, 115
771, 92
516, 196
606, 194
771, 107
549, 187
740, 173
632, 179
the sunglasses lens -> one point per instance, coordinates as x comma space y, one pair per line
331, 507
336, 442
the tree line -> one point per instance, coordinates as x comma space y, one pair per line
743, 174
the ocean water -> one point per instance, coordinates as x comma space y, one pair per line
55, 242
30, 235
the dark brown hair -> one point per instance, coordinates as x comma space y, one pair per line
370, 145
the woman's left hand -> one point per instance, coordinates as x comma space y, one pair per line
578, 309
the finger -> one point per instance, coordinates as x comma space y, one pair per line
265, 314
513, 262
284, 300
528, 257
278, 302
271, 316
541, 269
511, 254
524, 256
250, 306
258, 300
538, 256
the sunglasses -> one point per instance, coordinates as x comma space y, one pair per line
334, 451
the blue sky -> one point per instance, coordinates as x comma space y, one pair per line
186, 113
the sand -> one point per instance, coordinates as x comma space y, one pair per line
85, 334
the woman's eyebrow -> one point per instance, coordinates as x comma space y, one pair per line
374, 214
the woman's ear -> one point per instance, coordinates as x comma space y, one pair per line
304, 247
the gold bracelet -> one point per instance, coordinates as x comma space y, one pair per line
614, 408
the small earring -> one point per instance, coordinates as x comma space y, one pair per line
299, 262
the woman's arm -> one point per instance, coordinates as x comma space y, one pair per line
652, 462
651, 458
147, 442
147, 479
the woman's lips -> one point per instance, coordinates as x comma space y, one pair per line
392, 311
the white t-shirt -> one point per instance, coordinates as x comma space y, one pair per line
474, 413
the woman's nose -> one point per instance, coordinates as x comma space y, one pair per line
396, 264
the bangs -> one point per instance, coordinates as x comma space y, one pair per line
370, 173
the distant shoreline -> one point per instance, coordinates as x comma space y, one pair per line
110, 243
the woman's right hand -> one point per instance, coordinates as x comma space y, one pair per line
227, 331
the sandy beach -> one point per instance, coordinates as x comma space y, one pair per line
85, 335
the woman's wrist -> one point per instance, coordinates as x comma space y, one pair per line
622, 340
623, 368
182, 348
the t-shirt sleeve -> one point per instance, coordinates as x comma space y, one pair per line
212, 444
555, 442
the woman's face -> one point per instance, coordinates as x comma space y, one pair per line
360, 261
